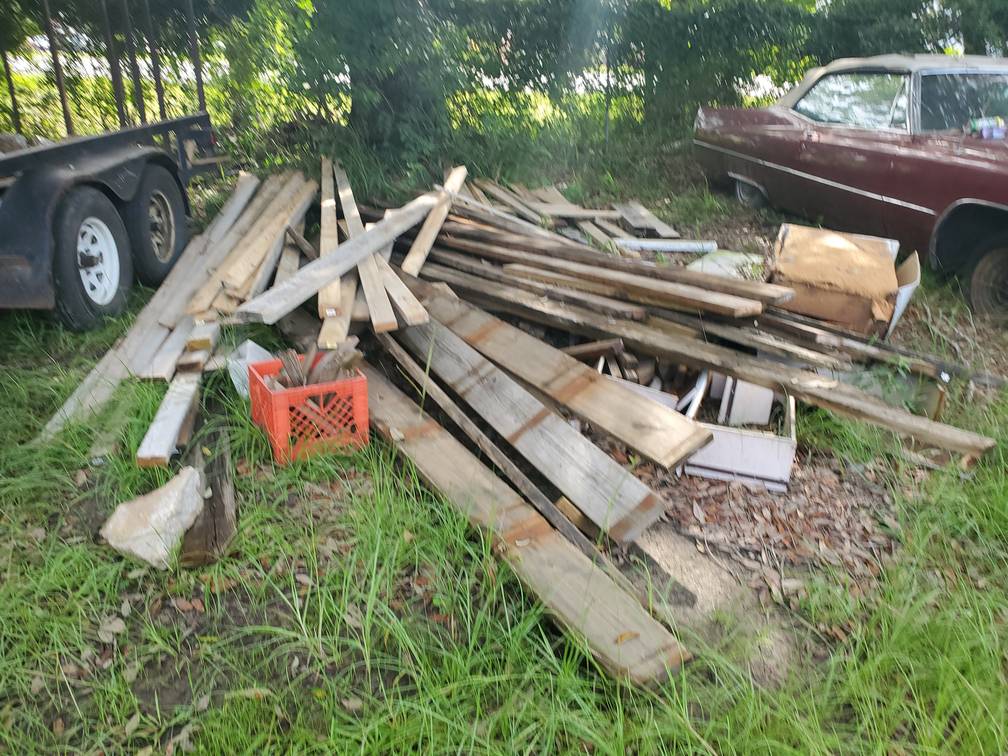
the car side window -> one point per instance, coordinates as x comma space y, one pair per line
867, 99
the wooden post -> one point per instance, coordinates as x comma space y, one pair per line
138, 99
195, 52
57, 67
15, 111
115, 71
155, 57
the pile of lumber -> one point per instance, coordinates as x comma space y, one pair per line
502, 328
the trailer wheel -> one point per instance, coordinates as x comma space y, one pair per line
156, 221
92, 267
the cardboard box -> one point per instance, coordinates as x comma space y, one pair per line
850, 280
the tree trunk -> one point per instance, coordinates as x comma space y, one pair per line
57, 67
195, 52
118, 92
15, 111
138, 97
155, 57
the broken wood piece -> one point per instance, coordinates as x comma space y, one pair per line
624, 638
592, 350
407, 306
301, 243
216, 525
203, 336
424, 240
643, 221
276, 302
162, 366
613, 498
508, 198
150, 527
192, 362
161, 439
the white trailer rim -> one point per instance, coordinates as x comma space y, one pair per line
97, 260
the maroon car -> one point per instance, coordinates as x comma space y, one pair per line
887, 146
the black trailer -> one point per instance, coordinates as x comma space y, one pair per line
80, 219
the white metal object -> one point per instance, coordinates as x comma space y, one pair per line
745, 403
97, 260
667, 245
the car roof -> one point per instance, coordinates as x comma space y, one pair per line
896, 64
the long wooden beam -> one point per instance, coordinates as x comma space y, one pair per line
624, 638
806, 386
613, 498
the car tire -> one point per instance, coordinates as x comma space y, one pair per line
986, 279
749, 195
156, 221
92, 264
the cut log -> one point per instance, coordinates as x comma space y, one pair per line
423, 241
281, 299
658, 433
161, 440
625, 640
614, 499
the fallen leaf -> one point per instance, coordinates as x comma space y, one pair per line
132, 724
110, 628
37, 685
197, 605
629, 635
699, 514
352, 704
58, 727
183, 605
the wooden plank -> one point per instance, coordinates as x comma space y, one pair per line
614, 499
329, 297
508, 198
335, 330
306, 247
572, 212
658, 433
592, 350
604, 305
625, 640
240, 273
642, 220
424, 240
610, 228
574, 252
550, 194
408, 307
630, 285
804, 385
276, 302
596, 234
193, 362
162, 367
485, 214
161, 439
233, 207
290, 261
382, 315
145, 337
203, 336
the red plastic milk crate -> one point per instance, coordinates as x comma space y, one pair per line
296, 428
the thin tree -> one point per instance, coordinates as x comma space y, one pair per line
138, 97
115, 70
57, 67
15, 111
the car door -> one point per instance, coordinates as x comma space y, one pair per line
854, 121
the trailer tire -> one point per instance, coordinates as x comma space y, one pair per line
92, 265
156, 221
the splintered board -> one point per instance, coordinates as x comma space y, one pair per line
611, 496
620, 634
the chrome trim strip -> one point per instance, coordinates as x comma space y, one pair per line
819, 179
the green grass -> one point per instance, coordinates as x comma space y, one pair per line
358, 611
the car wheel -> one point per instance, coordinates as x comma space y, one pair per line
987, 280
749, 195
156, 221
92, 266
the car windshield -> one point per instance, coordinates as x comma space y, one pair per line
950, 101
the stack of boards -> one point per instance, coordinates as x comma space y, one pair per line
425, 278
